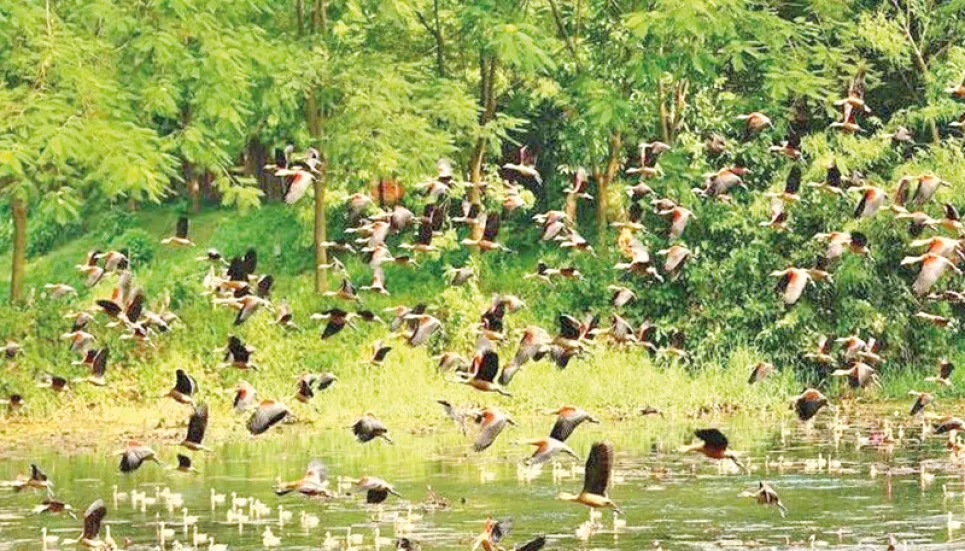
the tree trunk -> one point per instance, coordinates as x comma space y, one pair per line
487, 100
321, 253
603, 183
19, 208
570, 208
194, 189
313, 117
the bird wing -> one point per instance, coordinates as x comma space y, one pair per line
534, 544
99, 365
487, 366
713, 437
184, 462
264, 286
109, 307
599, 463
501, 529
946, 370
184, 384
133, 457
317, 470
93, 516
197, 424
793, 182
136, 306
490, 430
266, 416
36, 473
569, 327
564, 427
250, 262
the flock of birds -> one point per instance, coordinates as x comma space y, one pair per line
235, 284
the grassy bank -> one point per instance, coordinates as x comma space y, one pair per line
607, 380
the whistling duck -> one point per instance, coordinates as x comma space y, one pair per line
285, 316
856, 91
640, 262
526, 165
337, 320
98, 368
490, 223
184, 464
932, 267
765, 495
832, 180
37, 480
807, 404
790, 147
755, 122
11, 349
759, 372
872, 198
676, 255
792, 283
93, 517
197, 425
368, 428
297, 182
134, 455
596, 478
848, 122
718, 184
376, 490
922, 399
214, 256
901, 135
114, 260
679, 218
268, 414
313, 483
840, 242
424, 328
713, 445
13, 402
957, 91
53, 506
238, 353
533, 340
928, 184
90, 268
568, 418
483, 373
491, 423
379, 351
180, 238
791, 187
934, 319
777, 219
716, 144
553, 223
945, 369
649, 153
579, 185
59, 290
492, 534
860, 375
54, 382
853, 345
245, 396
184, 388
546, 449
620, 295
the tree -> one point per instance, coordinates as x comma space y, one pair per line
67, 125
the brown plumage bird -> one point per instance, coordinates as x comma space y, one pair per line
760, 371
184, 388
596, 479
376, 490
245, 396
313, 483
92, 525
568, 418
491, 422
945, 369
713, 445
807, 404
368, 428
197, 425
134, 455
860, 375
765, 495
36, 480
922, 399
180, 238
483, 373
268, 414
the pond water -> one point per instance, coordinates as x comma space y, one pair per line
839, 494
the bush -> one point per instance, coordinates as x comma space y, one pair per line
138, 243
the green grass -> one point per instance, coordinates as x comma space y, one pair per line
607, 380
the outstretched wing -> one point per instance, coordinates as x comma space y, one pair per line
599, 464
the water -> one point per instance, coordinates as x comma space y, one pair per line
682, 502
